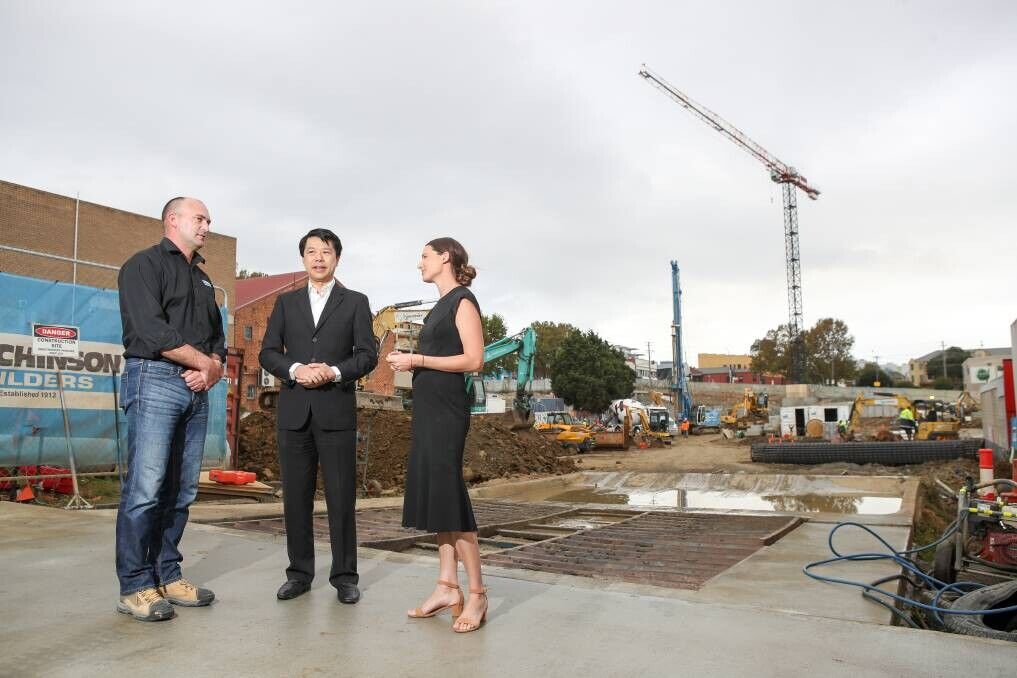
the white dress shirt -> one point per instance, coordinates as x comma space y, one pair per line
318, 301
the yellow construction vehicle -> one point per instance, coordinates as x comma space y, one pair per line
928, 424
965, 405
631, 422
565, 430
658, 398
753, 408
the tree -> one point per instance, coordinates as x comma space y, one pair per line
827, 346
495, 329
870, 374
771, 354
588, 374
955, 357
550, 335
828, 352
244, 274
943, 383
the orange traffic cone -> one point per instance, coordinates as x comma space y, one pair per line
26, 494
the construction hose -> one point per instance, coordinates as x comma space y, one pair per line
902, 559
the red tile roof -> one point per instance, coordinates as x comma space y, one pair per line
249, 290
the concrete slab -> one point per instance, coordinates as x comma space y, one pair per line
59, 592
772, 577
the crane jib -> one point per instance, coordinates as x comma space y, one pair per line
780, 173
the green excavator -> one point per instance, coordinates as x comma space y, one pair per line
525, 343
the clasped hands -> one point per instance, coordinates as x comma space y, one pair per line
403, 362
314, 375
205, 378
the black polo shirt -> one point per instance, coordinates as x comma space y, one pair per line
166, 302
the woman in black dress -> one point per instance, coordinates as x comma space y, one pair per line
451, 343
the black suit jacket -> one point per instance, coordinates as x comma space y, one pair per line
343, 337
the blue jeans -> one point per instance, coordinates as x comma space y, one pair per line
166, 424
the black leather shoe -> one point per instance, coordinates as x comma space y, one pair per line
292, 589
348, 593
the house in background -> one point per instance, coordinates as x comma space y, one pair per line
984, 365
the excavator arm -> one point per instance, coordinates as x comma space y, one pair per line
524, 343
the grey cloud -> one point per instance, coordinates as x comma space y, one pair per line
523, 130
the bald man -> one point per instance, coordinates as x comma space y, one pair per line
174, 347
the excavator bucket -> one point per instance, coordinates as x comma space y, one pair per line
522, 418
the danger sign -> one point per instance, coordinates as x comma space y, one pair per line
57, 341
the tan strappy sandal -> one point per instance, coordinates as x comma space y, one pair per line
456, 607
474, 626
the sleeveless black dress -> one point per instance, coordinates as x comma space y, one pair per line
436, 499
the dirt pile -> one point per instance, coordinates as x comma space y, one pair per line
258, 450
493, 449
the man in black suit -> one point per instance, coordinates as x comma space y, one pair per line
318, 342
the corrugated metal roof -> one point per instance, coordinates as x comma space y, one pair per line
249, 290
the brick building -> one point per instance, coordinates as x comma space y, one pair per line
732, 375
255, 300
395, 329
44, 222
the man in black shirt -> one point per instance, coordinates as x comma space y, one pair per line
174, 349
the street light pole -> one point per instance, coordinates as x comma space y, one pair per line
649, 363
942, 345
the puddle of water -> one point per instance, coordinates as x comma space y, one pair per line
747, 501
574, 523
584, 494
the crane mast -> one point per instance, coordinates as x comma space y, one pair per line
780, 173
680, 395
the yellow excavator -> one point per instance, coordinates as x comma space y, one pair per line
631, 422
965, 405
929, 426
753, 408
566, 431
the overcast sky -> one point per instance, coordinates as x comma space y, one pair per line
523, 130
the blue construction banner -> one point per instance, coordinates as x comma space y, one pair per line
36, 313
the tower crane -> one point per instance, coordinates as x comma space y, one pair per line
789, 179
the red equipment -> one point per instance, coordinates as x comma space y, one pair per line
58, 485
1000, 547
223, 477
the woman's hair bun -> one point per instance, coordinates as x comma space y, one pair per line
458, 258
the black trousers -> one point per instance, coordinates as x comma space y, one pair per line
300, 453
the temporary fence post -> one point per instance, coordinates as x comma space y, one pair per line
77, 501
116, 426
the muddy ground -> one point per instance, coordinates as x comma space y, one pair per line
714, 454
493, 450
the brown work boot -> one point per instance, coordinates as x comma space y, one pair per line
146, 605
183, 592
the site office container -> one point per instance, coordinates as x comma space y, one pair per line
793, 419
